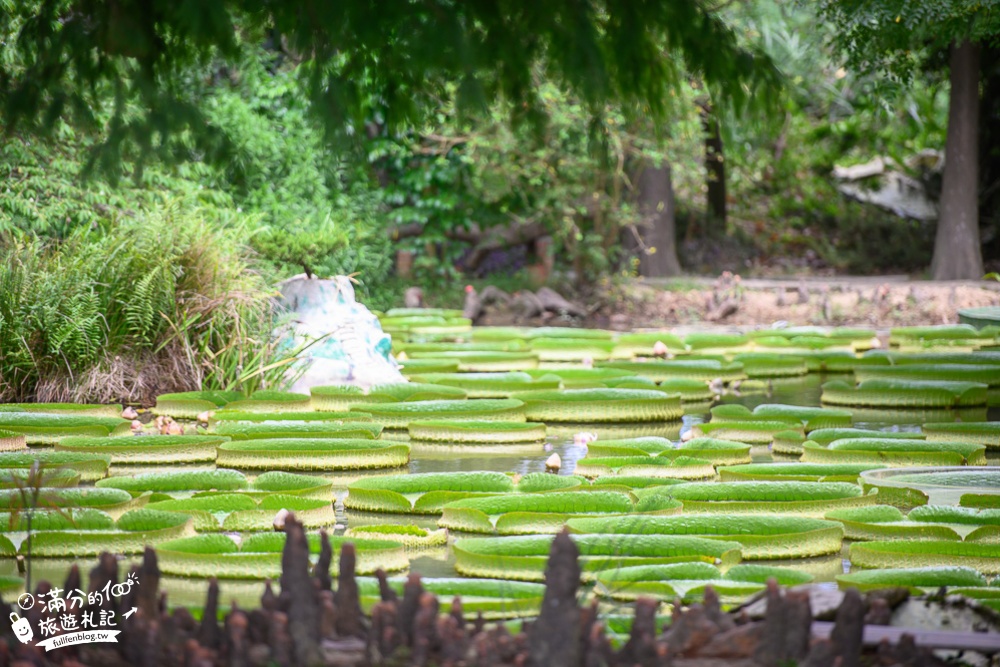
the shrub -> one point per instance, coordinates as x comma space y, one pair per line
156, 303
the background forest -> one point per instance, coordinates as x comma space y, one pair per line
119, 254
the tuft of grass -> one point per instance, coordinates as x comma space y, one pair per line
160, 302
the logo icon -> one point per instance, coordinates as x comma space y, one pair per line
21, 628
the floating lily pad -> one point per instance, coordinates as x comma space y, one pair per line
916, 578
341, 398
148, 449
411, 537
237, 512
895, 453
21, 478
525, 558
89, 466
530, 513
897, 554
810, 418
796, 472
985, 433
802, 498
885, 522
476, 432
313, 454
189, 404
680, 467
694, 369
259, 555
272, 401
400, 415
133, 531
489, 385
297, 429
79, 409
601, 405
905, 394
491, 598
178, 480
427, 493
761, 537
48, 429
112, 501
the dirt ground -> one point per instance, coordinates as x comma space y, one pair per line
762, 303
729, 302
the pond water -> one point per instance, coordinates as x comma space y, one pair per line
803, 391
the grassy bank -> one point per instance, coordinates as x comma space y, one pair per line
151, 303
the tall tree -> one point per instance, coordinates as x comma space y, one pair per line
897, 37
126, 65
957, 252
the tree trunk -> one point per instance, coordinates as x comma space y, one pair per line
715, 175
989, 152
656, 205
957, 254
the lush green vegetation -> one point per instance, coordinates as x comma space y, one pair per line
920, 508
156, 187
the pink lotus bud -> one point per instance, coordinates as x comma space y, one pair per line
136, 425
554, 462
203, 417
129, 413
659, 349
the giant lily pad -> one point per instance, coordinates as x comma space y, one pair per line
917, 579
803, 498
131, 533
761, 537
48, 429
896, 554
341, 398
259, 555
532, 513
679, 467
313, 454
600, 405
895, 453
905, 394
177, 480
399, 415
491, 598
427, 493
796, 472
148, 449
89, 466
694, 369
525, 558
298, 429
189, 404
476, 432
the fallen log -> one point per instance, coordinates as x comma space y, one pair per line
483, 242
